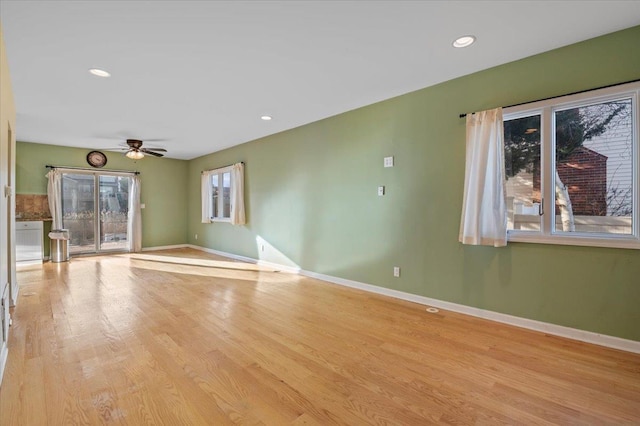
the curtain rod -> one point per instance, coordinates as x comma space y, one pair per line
567, 94
221, 167
91, 170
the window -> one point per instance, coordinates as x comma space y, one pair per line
223, 195
572, 169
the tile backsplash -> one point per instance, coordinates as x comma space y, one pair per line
32, 206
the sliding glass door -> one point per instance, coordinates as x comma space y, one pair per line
114, 211
95, 209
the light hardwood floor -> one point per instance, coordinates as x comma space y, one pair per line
181, 337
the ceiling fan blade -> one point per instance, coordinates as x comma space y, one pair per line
155, 154
135, 146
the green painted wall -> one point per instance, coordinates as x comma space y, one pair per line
163, 183
311, 195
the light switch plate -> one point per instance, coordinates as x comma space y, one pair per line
380, 191
388, 161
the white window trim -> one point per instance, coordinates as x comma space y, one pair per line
220, 171
221, 219
546, 109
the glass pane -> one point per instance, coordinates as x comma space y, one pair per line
215, 188
522, 167
594, 168
226, 194
114, 209
78, 211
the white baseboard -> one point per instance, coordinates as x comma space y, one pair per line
175, 246
544, 327
30, 262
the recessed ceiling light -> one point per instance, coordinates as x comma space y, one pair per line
464, 41
100, 73
266, 117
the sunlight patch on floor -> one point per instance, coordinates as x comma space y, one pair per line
201, 262
207, 267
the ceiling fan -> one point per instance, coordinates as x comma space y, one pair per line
136, 151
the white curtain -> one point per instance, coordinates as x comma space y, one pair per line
206, 196
54, 195
135, 217
237, 194
484, 210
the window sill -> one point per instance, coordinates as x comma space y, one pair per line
220, 219
627, 242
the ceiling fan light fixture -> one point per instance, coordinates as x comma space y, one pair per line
464, 41
134, 155
99, 73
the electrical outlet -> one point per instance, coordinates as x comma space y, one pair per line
262, 247
380, 191
388, 161
196, 236
396, 271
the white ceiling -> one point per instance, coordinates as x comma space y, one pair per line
200, 74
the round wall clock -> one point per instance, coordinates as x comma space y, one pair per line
96, 159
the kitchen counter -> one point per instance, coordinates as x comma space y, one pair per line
33, 219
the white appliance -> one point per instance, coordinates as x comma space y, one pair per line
29, 236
